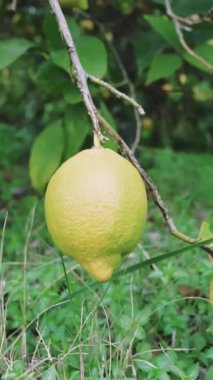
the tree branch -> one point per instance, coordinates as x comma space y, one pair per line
186, 47
81, 78
132, 93
118, 93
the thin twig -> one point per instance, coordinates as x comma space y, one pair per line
181, 38
191, 20
118, 93
137, 114
81, 76
129, 83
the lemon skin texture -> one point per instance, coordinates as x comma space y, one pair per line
95, 207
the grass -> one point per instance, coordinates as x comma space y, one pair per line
154, 323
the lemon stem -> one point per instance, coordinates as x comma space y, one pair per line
96, 140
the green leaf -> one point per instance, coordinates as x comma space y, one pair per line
126, 7
146, 46
61, 59
77, 126
163, 66
93, 55
164, 376
186, 8
209, 353
91, 50
209, 374
193, 372
110, 143
81, 4
50, 79
50, 374
46, 154
206, 52
51, 30
11, 49
72, 94
166, 29
205, 232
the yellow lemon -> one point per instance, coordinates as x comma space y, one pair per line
95, 208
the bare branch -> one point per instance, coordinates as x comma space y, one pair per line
191, 20
118, 93
137, 114
80, 74
187, 48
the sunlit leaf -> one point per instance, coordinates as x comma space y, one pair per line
93, 55
205, 232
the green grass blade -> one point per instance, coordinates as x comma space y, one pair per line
65, 275
162, 257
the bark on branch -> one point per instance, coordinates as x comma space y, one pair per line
81, 76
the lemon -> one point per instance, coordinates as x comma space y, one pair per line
95, 207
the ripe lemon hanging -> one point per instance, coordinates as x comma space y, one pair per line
95, 208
